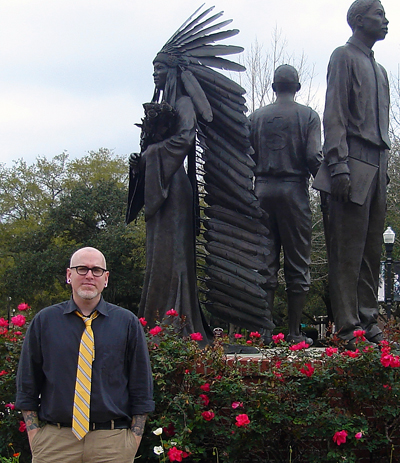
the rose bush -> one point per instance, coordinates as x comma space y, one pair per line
13, 440
301, 405
290, 404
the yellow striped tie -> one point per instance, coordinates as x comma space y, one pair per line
83, 385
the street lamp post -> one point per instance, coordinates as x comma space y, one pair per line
388, 238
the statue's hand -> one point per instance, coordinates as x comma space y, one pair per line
341, 187
134, 160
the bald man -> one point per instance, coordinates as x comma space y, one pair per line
120, 387
356, 120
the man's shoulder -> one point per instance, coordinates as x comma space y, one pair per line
53, 310
343, 52
116, 310
307, 111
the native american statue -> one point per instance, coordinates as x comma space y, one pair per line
194, 176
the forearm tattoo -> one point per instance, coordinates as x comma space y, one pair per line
31, 419
138, 422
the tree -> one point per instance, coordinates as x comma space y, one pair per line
53, 207
260, 66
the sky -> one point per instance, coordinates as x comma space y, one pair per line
74, 73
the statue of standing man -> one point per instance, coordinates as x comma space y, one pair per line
286, 137
356, 122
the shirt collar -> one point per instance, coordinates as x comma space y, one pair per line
101, 307
361, 46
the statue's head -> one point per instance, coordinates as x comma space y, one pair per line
165, 75
368, 17
286, 79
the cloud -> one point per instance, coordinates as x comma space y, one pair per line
75, 73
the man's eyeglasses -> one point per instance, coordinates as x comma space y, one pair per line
83, 270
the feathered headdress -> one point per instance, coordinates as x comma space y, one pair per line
234, 241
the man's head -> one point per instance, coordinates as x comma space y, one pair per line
286, 79
87, 274
367, 18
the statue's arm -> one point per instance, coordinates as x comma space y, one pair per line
336, 116
314, 147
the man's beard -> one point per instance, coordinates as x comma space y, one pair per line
88, 294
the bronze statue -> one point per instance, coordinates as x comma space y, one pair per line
286, 137
197, 114
356, 148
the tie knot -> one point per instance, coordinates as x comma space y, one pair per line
88, 320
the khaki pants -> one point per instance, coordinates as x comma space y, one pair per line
59, 445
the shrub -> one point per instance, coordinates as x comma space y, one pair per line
291, 404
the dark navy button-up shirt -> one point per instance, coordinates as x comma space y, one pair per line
121, 374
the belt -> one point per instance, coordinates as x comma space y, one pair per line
121, 423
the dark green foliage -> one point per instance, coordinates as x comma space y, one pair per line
51, 209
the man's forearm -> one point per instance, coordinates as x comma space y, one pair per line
32, 423
137, 427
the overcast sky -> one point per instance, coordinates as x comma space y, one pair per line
74, 73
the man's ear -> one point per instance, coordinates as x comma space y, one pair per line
359, 21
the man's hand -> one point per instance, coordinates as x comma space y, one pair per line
134, 160
32, 424
341, 188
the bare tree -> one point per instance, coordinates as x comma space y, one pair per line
261, 62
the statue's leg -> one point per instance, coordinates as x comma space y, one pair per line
267, 334
296, 302
295, 230
348, 225
369, 274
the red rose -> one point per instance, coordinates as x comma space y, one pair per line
351, 354
277, 338
208, 416
143, 321
18, 320
156, 330
205, 387
172, 313
340, 437
174, 454
23, 306
204, 399
242, 420
237, 404
329, 351
22, 426
360, 335
307, 370
255, 334
3, 322
196, 337
169, 430
301, 345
